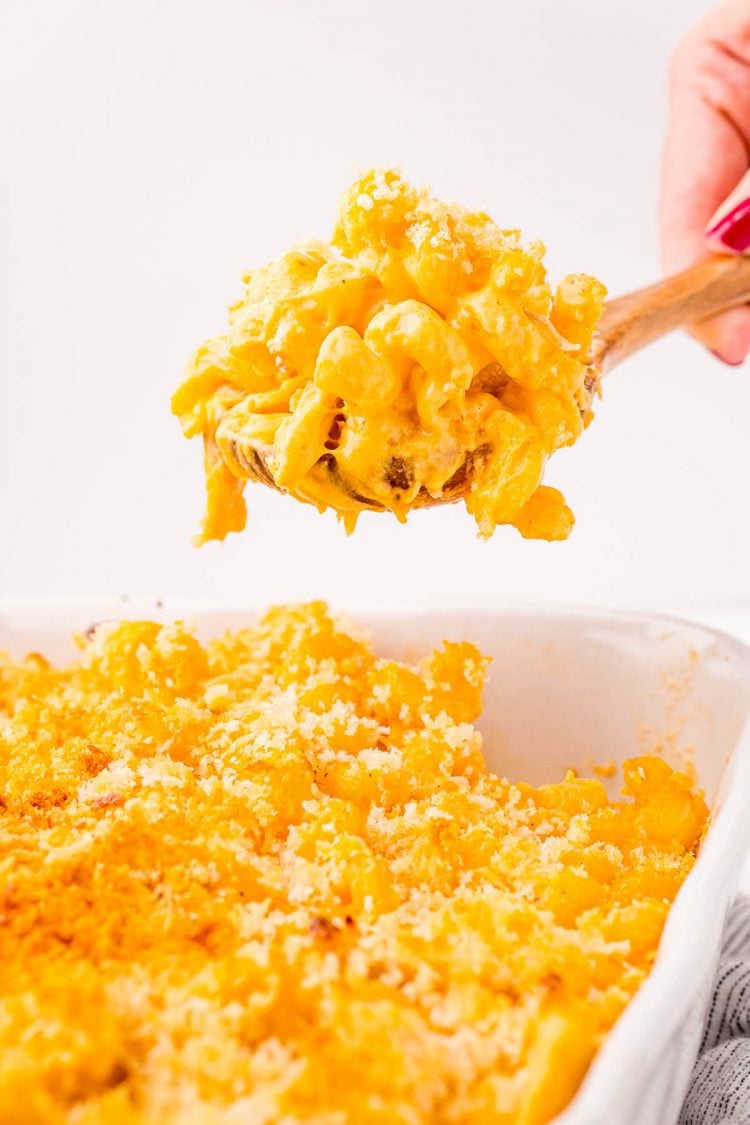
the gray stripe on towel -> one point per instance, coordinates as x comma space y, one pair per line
720, 1087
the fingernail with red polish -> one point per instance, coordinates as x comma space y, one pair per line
733, 230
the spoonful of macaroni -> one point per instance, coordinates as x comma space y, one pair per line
419, 358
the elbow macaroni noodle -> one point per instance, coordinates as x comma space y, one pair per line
419, 356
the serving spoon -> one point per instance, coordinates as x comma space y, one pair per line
627, 324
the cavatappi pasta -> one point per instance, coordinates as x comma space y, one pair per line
270, 879
421, 355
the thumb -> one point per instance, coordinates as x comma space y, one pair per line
728, 231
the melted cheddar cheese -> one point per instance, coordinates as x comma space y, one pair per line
270, 879
420, 356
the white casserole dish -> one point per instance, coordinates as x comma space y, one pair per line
570, 688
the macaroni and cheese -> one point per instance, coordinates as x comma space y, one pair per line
419, 357
270, 879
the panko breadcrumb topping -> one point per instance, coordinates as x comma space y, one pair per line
270, 879
420, 356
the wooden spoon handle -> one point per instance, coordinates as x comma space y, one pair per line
630, 322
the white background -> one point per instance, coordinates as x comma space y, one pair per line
152, 150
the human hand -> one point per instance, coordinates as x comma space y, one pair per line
705, 184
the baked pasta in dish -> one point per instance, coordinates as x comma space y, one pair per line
420, 357
270, 879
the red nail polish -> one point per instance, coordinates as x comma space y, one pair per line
733, 231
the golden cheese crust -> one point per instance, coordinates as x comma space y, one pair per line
420, 354
270, 879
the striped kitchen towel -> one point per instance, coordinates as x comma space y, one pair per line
720, 1087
